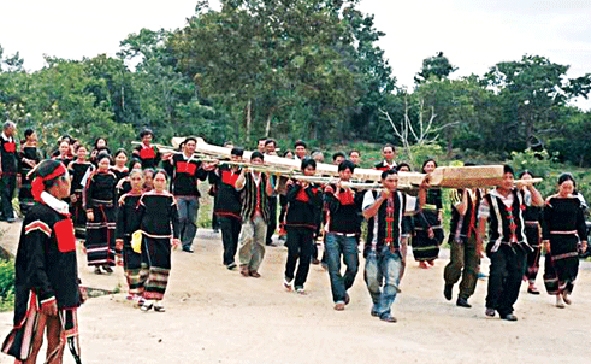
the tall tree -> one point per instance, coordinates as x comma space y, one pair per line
531, 89
435, 68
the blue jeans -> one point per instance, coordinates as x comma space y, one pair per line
188, 208
386, 265
337, 246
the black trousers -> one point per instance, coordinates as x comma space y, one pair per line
272, 225
230, 227
300, 242
215, 220
7, 186
506, 272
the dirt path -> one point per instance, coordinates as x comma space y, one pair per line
216, 316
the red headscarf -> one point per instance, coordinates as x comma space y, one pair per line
37, 187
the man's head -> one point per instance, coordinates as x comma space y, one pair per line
236, 154
9, 128
346, 170
51, 176
81, 152
390, 179
389, 152
405, 167
355, 157
146, 136
270, 146
318, 157
261, 145
190, 145
338, 158
257, 158
300, 149
308, 167
64, 147
508, 177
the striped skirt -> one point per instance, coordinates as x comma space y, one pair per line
132, 268
156, 264
100, 236
561, 267
78, 216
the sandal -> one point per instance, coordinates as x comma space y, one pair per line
244, 271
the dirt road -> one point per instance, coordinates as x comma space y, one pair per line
217, 316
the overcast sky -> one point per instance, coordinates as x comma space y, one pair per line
473, 34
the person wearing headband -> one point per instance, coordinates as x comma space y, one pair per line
46, 274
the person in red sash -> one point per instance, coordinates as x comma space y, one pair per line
46, 274
8, 171
148, 154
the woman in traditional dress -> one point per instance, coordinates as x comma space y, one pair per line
148, 180
28, 159
564, 235
100, 199
120, 169
533, 217
159, 219
100, 146
78, 169
428, 223
124, 184
127, 223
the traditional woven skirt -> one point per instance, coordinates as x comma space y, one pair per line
561, 267
156, 264
100, 236
532, 234
132, 267
25, 198
425, 248
78, 215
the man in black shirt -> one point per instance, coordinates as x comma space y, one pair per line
8, 170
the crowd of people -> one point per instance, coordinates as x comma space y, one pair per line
133, 207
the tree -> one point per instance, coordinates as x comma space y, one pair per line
530, 90
273, 55
435, 68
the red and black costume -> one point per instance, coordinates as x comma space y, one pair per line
25, 198
186, 171
148, 155
128, 221
77, 171
45, 273
227, 207
100, 197
564, 226
159, 222
304, 208
9, 169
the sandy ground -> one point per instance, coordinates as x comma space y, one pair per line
217, 316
